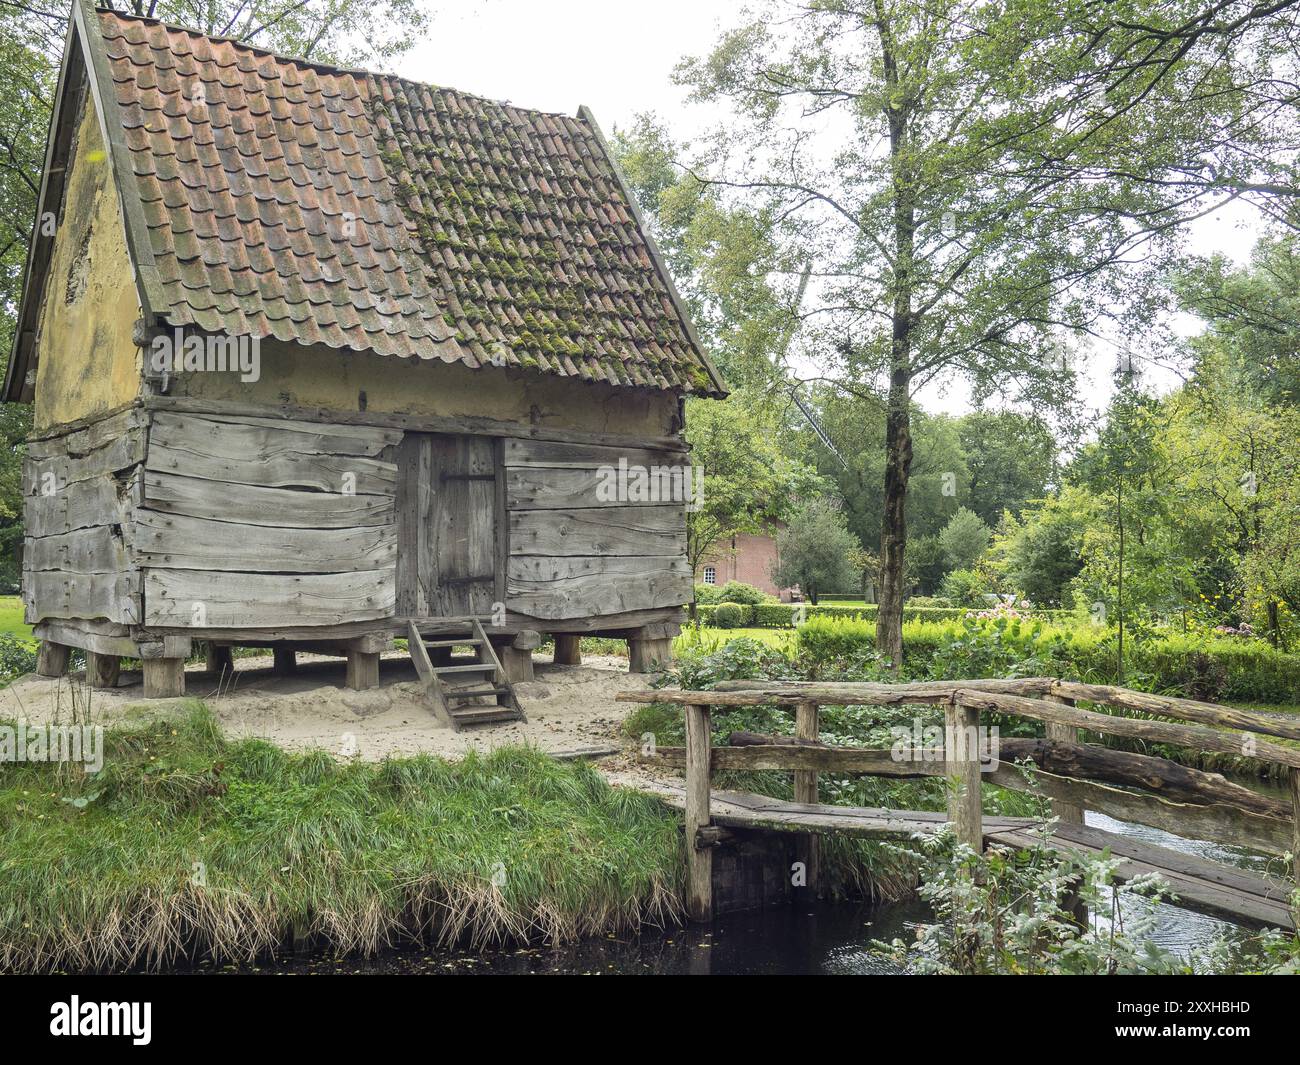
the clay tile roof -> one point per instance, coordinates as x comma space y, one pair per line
368, 212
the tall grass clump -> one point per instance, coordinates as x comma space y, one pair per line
189, 844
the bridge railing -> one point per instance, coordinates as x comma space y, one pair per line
1075, 776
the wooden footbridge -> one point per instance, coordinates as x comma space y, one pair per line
1074, 775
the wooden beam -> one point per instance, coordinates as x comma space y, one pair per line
869, 693
568, 649
164, 678
963, 768
219, 658
52, 659
102, 670
649, 655
1183, 709
1068, 812
286, 660
517, 662
426, 423
805, 790
363, 670
1206, 739
1295, 826
699, 861
73, 634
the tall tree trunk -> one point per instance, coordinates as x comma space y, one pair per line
898, 427
893, 533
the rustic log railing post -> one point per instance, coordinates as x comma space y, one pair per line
961, 753
1067, 812
699, 859
1295, 826
805, 790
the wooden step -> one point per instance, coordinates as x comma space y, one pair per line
484, 715
472, 667
453, 705
474, 693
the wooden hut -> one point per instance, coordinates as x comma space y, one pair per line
322, 357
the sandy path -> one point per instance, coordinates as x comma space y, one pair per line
568, 707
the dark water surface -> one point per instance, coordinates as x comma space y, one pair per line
794, 940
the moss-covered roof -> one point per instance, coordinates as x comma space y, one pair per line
323, 206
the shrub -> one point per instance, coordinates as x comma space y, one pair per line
729, 615
826, 639
916, 602
745, 594
965, 587
17, 657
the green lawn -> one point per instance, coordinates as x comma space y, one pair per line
11, 617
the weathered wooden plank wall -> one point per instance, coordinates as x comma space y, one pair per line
78, 494
227, 521
582, 546
250, 522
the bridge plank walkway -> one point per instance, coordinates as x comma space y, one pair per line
1200, 885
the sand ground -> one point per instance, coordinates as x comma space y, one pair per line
570, 709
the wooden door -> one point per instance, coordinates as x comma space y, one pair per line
448, 524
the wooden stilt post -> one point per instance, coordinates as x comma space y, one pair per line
647, 654
363, 670
102, 670
286, 660
805, 790
52, 659
219, 659
699, 860
568, 649
164, 678
517, 662
961, 748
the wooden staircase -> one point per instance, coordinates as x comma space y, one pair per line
463, 691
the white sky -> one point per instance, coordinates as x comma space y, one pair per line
618, 58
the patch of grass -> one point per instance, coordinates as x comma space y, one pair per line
188, 843
11, 618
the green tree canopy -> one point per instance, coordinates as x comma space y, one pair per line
816, 551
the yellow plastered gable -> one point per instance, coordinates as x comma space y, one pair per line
87, 363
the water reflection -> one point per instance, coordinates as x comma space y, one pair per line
1177, 930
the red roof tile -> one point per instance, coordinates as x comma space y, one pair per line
290, 200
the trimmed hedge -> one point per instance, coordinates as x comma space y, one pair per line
781, 615
1215, 669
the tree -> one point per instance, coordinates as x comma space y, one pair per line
964, 540
722, 257
1011, 458
1041, 553
968, 179
815, 551
749, 484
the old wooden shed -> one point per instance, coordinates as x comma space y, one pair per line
321, 357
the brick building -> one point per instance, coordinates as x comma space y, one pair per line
746, 557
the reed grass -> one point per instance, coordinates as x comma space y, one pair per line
189, 844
